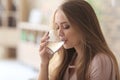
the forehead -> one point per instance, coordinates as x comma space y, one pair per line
60, 17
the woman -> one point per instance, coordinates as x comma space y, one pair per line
85, 54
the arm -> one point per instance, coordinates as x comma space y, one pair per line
44, 58
101, 68
43, 73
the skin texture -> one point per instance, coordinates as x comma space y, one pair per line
76, 23
65, 31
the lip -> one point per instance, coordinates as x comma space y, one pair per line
64, 41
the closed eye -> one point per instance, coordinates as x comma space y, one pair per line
66, 26
63, 25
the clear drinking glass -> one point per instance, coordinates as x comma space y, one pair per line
54, 44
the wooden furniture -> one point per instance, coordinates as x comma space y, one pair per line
11, 12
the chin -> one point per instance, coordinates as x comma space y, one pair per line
67, 47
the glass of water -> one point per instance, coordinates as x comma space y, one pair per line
54, 44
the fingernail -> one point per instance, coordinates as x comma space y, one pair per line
48, 32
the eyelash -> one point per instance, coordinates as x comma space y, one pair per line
64, 27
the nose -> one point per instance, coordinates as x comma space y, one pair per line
61, 33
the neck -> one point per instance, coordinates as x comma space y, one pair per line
79, 50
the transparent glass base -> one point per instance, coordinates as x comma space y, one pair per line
54, 46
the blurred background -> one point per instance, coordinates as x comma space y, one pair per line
23, 23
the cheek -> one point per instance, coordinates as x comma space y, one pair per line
72, 40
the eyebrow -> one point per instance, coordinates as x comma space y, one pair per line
62, 22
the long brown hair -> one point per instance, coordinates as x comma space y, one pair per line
81, 14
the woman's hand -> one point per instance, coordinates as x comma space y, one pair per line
45, 56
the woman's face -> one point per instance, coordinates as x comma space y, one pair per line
66, 31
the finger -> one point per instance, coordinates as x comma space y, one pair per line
46, 33
42, 45
43, 51
50, 53
45, 37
